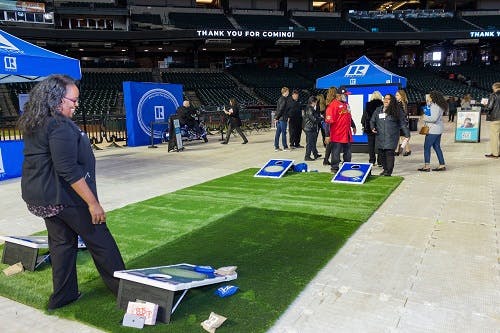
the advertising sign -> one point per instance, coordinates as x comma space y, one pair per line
146, 103
467, 126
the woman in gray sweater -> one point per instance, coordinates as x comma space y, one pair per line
438, 106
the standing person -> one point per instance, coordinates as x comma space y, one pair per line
58, 184
311, 120
452, 109
338, 115
281, 119
493, 116
331, 95
188, 116
321, 109
233, 112
438, 106
402, 100
295, 122
465, 103
370, 107
386, 122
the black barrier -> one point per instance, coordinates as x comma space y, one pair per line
112, 128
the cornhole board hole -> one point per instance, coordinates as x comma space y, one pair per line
274, 168
159, 284
25, 249
352, 173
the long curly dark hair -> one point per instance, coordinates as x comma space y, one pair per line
438, 98
44, 101
393, 107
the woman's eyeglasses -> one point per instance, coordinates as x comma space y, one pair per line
74, 100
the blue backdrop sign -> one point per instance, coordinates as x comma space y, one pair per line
11, 158
147, 102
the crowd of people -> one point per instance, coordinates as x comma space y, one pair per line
385, 122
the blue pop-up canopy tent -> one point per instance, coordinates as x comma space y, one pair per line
362, 71
23, 61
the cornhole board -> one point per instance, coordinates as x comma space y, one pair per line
25, 249
352, 173
159, 284
274, 168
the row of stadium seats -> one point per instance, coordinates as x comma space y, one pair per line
318, 23
192, 80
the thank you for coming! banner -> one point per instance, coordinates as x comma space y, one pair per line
147, 103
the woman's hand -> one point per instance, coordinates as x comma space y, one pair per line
97, 213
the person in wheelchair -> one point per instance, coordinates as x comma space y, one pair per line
189, 117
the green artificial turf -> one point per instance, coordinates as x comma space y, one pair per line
279, 232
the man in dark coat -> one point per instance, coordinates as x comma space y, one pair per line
295, 120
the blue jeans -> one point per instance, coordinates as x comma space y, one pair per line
434, 141
280, 129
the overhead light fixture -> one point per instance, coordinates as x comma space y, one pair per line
465, 41
287, 42
408, 42
221, 41
352, 43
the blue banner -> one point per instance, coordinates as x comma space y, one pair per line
148, 103
11, 158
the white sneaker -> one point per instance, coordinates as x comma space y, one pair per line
277, 149
286, 149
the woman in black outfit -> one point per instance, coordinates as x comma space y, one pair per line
59, 185
371, 106
234, 121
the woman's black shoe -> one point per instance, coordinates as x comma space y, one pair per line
407, 153
326, 162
